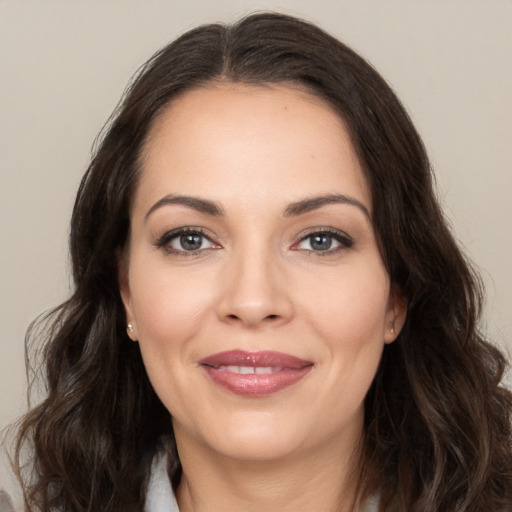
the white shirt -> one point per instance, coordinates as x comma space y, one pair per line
159, 496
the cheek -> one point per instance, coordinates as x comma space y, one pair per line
350, 317
351, 306
169, 305
169, 309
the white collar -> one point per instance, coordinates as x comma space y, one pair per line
160, 497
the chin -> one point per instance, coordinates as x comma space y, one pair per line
257, 446
247, 435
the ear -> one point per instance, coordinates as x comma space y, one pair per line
395, 315
126, 297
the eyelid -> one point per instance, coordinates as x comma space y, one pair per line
343, 238
163, 241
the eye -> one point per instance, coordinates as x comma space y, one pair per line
185, 240
325, 241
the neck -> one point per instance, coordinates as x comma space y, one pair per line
320, 479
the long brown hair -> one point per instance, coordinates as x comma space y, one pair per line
438, 425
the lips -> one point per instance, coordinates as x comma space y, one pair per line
255, 373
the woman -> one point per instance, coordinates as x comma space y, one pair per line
269, 310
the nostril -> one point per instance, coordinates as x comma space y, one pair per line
236, 317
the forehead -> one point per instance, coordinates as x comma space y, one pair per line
236, 141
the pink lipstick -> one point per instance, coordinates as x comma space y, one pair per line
255, 373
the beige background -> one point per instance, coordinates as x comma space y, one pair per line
64, 65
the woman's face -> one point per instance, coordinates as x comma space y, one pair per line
253, 280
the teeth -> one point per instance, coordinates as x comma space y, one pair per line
249, 370
264, 369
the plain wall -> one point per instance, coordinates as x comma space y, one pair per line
65, 64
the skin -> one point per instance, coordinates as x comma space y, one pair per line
257, 283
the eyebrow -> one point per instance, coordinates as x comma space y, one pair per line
314, 203
293, 209
196, 203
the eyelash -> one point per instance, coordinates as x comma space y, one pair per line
342, 238
345, 241
165, 240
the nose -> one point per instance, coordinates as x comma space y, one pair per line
254, 291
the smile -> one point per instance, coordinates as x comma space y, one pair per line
254, 374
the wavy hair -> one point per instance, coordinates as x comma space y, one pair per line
437, 422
